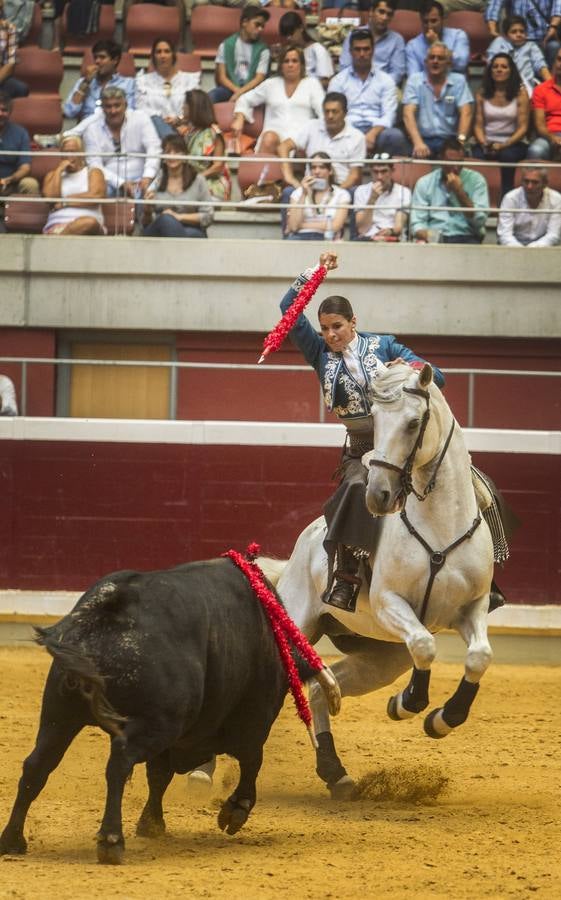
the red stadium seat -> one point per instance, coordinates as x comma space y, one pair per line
41, 70
224, 113
76, 44
252, 168
407, 23
408, 173
119, 217
26, 216
43, 163
476, 29
38, 114
209, 26
34, 32
126, 65
492, 175
145, 21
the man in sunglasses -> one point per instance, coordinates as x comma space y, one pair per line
437, 104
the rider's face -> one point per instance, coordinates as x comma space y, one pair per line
337, 331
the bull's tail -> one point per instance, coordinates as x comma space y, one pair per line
80, 674
271, 568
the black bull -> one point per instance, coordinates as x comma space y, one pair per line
175, 666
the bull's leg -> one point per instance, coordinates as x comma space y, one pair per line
473, 629
53, 739
368, 666
159, 774
236, 809
110, 838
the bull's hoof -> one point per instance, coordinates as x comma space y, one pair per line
110, 849
149, 827
12, 844
342, 789
233, 815
435, 726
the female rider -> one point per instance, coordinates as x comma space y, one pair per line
346, 361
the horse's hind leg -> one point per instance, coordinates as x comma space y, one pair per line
159, 773
368, 666
473, 629
53, 739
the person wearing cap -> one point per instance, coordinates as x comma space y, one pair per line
243, 59
381, 206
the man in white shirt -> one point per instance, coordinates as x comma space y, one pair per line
535, 227
122, 131
380, 207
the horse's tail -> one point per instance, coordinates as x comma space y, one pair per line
80, 674
271, 568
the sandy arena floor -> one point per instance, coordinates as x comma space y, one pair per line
493, 832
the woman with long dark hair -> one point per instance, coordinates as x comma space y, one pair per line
179, 183
502, 112
161, 92
317, 210
204, 138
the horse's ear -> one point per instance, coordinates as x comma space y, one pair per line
425, 376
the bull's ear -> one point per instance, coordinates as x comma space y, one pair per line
425, 376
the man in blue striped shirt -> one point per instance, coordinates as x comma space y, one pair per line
432, 23
543, 18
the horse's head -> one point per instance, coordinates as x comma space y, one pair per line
404, 438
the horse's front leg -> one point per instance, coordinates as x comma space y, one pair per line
473, 629
397, 618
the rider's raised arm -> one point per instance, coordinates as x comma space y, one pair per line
393, 350
303, 334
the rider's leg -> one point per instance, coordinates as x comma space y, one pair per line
347, 581
502, 523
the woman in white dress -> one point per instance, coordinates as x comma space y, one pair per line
161, 93
290, 100
315, 212
80, 187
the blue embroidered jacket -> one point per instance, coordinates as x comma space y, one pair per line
343, 395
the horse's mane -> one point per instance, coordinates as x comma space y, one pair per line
387, 387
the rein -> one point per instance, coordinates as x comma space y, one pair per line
406, 470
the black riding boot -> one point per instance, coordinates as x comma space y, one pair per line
347, 581
496, 597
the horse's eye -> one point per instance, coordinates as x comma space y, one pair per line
413, 425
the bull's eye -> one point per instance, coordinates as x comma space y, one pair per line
413, 425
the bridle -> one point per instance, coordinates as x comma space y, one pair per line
406, 470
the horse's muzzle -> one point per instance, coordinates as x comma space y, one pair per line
382, 502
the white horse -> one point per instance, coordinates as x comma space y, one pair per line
432, 569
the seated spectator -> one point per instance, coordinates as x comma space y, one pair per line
371, 97
542, 20
526, 55
319, 64
437, 104
519, 228
76, 183
8, 402
242, 61
178, 183
290, 98
319, 218
117, 132
85, 97
9, 85
389, 46
451, 186
204, 138
14, 170
161, 93
20, 14
433, 30
546, 105
388, 201
502, 114
332, 134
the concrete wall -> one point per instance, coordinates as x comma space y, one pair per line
235, 285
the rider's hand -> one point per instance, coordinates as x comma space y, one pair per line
329, 260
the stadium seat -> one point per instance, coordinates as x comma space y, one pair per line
224, 113
34, 33
209, 26
119, 217
38, 114
476, 29
145, 21
26, 216
76, 44
42, 70
492, 175
42, 164
407, 23
408, 173
252, 168
270, 33
126, 65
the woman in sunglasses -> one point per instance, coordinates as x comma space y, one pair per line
317, 208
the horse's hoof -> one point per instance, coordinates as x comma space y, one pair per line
391, 708
12, 845
199, 784
342, 789
435, 726
233, 816
150, 828
110, 850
